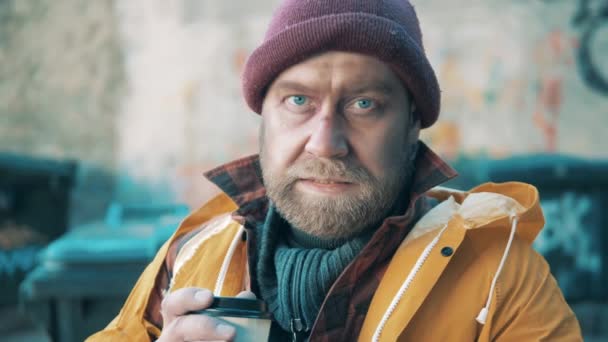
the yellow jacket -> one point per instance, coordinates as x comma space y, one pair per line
466, 272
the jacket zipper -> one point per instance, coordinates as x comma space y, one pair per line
297, 330
296, 324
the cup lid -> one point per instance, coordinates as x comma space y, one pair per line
236, 303
238, 307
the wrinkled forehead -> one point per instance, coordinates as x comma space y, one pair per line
340, 69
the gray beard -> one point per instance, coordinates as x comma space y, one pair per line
338, 217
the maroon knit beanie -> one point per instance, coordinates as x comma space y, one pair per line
386, 29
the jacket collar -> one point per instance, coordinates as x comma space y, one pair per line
242, 181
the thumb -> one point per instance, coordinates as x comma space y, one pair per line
246, 295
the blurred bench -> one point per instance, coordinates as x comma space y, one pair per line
84, 277
34, 208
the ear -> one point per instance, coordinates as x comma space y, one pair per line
414, 122
414, 115
413, 152
413, 136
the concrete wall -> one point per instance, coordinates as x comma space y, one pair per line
511, 77
150, 88
510, 83
61, 85
184, 113
61, 79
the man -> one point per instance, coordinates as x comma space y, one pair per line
337, 226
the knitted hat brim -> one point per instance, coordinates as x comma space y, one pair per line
349, 32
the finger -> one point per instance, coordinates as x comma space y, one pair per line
199, 327
184, 300
246, 295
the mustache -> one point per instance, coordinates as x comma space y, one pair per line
343, 169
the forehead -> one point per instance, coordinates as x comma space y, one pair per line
340, 68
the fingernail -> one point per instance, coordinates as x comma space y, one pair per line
224, 330
202, 296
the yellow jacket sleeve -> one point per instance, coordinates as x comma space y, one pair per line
130, 324
530, 306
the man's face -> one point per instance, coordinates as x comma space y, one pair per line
337, 143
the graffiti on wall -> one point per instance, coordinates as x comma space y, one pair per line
510, 83
514, 84
554, 57
592, 19
569, 241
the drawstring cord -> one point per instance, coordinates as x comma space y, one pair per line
483, 314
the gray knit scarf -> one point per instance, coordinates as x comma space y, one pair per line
295, 274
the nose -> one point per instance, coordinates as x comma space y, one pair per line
327, 139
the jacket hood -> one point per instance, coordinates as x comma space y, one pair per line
489, 206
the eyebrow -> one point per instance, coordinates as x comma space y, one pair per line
375, 86
291, 85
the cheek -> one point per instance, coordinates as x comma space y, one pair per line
281, 147
382, 150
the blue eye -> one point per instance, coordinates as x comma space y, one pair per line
364, 103
298, 100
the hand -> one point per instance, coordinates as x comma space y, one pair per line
178, 326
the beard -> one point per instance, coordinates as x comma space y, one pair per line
339, 216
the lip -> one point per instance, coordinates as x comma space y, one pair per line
326, 186
326, 180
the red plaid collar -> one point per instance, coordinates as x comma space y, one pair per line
242, 181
